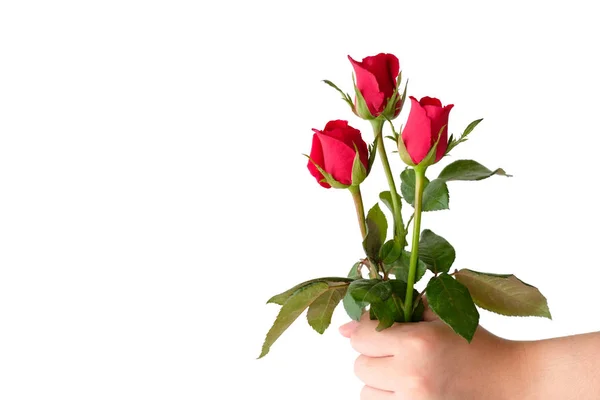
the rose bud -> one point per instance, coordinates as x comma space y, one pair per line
427, 125
376, 86
339, 157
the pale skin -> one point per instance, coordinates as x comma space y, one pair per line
428, 361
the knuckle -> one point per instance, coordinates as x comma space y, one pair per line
420, 386
420, 343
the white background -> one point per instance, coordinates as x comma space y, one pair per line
153, 194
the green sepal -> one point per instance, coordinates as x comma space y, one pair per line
403, 98
327, 176
345, 96
390, 108
372, 154
359, 172
360, 108
404, 156
396, 101
395, 134
430, 157
452, 143
376, 232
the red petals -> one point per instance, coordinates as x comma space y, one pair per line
333, 149
376, 80
426, 119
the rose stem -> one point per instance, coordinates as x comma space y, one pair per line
398, 224
360, 214
414, 255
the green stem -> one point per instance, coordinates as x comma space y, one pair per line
397, 210
360, 209
360, 214
414, 255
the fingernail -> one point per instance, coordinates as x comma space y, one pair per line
347, 329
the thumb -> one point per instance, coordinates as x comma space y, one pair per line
347, 329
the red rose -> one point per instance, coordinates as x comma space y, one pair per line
376, 80
421, 131
333, 149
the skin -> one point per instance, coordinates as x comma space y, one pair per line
428, 361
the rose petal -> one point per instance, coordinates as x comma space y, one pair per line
336, 124
339, 158
443, 143
417, 132
385, 67
316, 155
368, 86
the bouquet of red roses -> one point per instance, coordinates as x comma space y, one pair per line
383, 281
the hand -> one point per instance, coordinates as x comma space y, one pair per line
428, 361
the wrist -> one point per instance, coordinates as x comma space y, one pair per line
518, 365
499, 371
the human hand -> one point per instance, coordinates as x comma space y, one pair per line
428, 361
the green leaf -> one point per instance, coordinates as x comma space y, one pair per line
391, 310
407, 187
401, 266
418, 308
354, 309
355, 271
468, 170
386, 313
436, 196
370, 290
320, 311
435, 193
376, 232
332, 282
504, 294
386, 198
391, 251
451, 301
291, 310
436, 252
